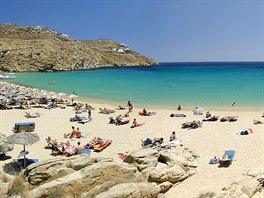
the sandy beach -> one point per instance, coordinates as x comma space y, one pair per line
212, 139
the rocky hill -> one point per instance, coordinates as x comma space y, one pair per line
28, 48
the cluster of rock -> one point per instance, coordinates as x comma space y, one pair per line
249, 185
148, 172
28, 48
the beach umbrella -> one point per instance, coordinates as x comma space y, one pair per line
72, 96
20, 97
23, 138
61, 94
54, 96
5, 146
3, 97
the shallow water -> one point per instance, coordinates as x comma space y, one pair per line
168, 84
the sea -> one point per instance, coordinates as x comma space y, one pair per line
165, 85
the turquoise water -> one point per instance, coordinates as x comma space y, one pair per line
168, 84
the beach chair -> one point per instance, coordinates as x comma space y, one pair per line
227, 158
102, 146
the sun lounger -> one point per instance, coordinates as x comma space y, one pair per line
177, 115
227, 158
103, 145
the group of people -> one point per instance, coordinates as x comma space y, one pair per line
64, 147
74, 134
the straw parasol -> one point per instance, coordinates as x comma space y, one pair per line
72, 96
23, 138
61, 94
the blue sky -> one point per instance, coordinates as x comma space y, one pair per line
166, 30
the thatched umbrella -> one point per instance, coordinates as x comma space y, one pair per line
23, 138
5, 145
72, 96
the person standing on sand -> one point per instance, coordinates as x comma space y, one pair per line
179, 108
130, 106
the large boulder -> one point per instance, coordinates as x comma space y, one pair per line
159, 164
132, 190
54, 168
173, 174
90, 180
244, 187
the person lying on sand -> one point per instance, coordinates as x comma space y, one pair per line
135, 124
121, 108
257, 122
106, 111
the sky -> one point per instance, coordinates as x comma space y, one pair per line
166, 30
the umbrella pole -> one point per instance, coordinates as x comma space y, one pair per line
24, 166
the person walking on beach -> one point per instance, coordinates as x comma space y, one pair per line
130, 106
89, 112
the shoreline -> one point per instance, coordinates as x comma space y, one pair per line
100, 101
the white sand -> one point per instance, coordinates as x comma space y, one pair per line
210, 140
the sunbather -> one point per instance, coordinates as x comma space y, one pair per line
106, 111
173, 136
78, 149
32, 115
257, 122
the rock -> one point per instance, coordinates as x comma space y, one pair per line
244, 187
132, 190
173, 174
165, 186
38, 173
91, 180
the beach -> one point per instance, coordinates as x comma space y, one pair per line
212, 139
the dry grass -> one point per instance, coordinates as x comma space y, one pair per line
17, 187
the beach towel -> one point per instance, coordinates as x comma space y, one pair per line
175, 142
245, 132
138, 125
122, 156
227, 158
